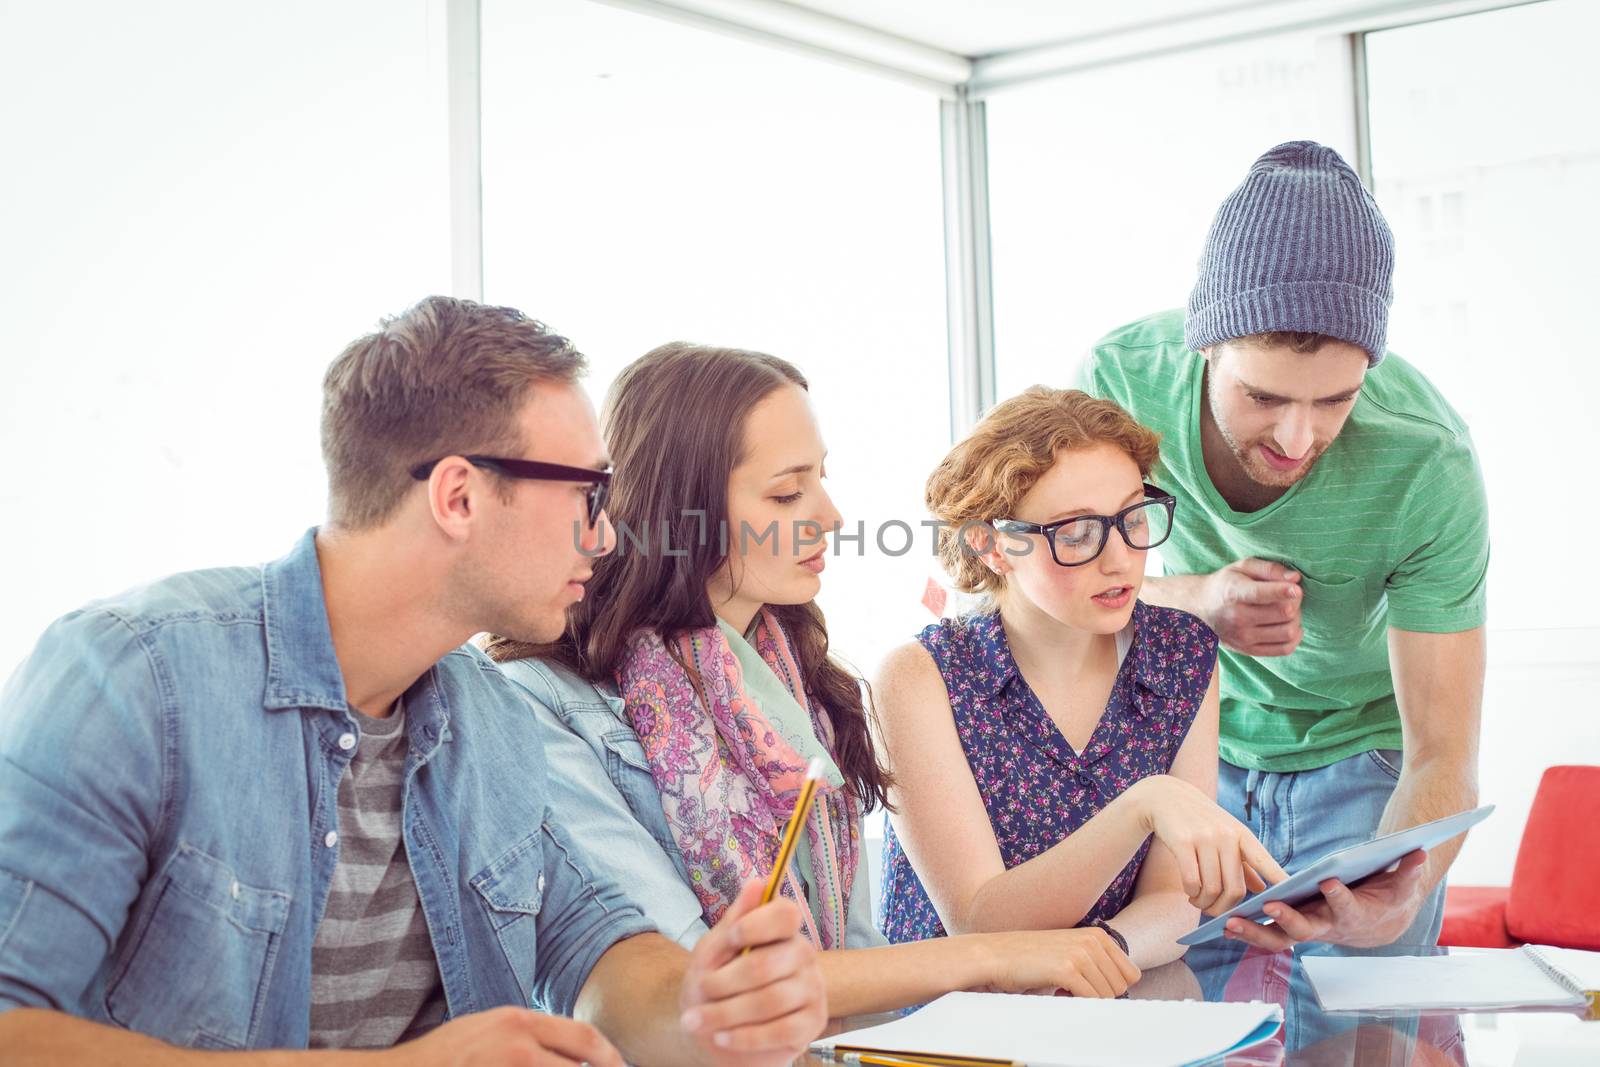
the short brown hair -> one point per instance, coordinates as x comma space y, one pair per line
987, 474
446, 377
1301, 341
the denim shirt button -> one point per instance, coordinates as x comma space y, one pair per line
541, 886
331, 840
347, 741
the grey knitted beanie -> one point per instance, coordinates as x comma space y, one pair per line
1300, 245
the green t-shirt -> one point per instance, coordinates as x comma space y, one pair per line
1390, 528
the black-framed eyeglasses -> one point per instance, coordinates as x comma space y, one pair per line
1080, 539
599, 482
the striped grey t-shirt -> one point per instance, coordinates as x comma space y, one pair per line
374, 979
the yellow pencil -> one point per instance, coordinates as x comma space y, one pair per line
891, 1058
868, 1060
791, 833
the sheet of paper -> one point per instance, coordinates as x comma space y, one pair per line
1484, 979
1070, 1031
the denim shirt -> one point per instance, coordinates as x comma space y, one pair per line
169, 768
598, 767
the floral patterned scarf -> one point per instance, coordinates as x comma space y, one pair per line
729, 768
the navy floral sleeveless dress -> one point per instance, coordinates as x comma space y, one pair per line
1036, 789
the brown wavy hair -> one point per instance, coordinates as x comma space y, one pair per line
986, 475
674, 424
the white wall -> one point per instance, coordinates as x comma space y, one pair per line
1539, 710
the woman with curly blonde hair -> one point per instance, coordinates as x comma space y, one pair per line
1039, 742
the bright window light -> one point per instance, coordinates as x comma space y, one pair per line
646, 182
1102, 184
213, 201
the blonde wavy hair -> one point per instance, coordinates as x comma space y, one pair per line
986, 475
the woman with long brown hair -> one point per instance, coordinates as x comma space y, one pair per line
696, 672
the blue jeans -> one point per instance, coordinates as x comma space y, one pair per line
1300, 816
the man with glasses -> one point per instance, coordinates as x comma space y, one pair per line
1334, 535
285, 806
597, 483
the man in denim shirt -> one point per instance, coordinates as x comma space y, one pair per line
174, 770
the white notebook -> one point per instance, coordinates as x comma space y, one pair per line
1043, 1031
1489, 979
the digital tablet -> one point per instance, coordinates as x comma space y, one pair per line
1348, 865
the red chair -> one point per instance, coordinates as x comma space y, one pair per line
1554, 896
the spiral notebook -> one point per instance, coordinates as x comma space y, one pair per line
1013, 1029
1490, 979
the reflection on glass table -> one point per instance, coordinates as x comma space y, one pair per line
1313, 1037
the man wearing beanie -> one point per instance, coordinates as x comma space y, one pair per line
1331, 528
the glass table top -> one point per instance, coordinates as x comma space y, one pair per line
1316, 1038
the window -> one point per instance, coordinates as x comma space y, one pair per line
1103, 184
1486, 161
647, 182
213, 204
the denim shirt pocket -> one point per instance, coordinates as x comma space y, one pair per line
630, 773
512, 891
199, 966
13, 894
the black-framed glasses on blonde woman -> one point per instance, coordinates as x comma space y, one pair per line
1080, 539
